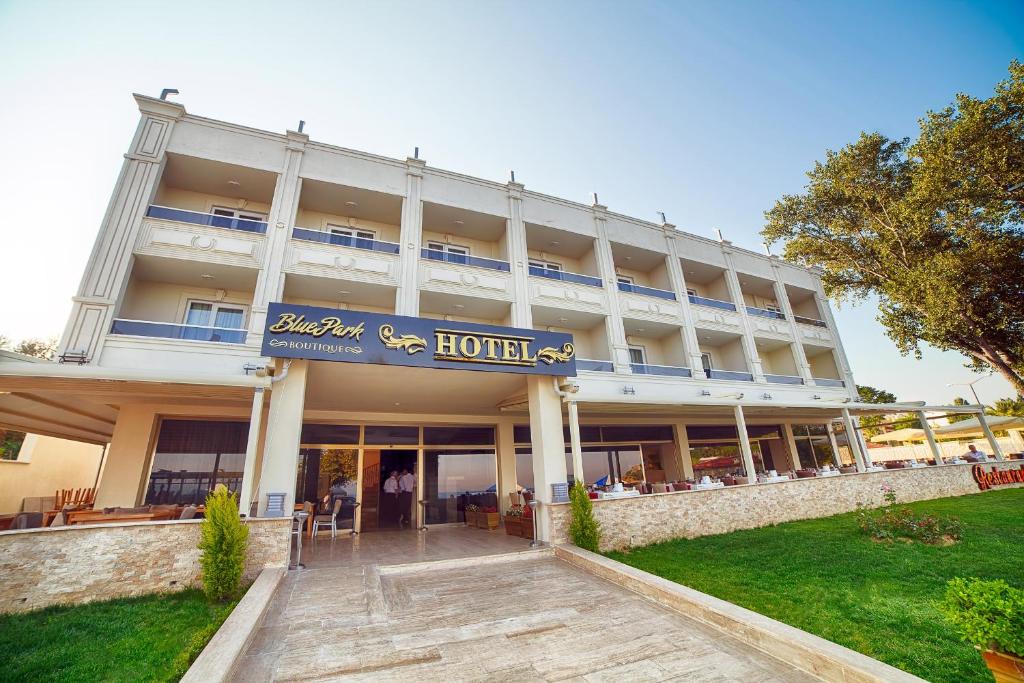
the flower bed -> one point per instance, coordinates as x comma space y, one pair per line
903, 524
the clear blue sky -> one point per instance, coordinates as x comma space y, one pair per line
707, 111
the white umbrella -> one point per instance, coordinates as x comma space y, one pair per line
899, 435
972, 427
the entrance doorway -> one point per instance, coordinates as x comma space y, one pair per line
380, 508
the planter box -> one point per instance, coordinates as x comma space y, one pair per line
488, 520
471, 516
1005, 668
527, 528
513, 526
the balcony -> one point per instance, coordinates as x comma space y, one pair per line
594, 365
646, 291
809, 321
565, 276
826, 382
784, 379
465, 260
208, 219
148, 328
730, 375
765, 313
344, 240
661, 370
711, 303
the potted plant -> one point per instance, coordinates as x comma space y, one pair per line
471, 514
488, 518
990, 616
514, 521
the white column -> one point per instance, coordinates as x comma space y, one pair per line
996, 450
865, 453
518, 258
803, 367
748, 455
930, 436
574, 439
683, 448
507, 482
245, 497
126, 470
407, 299
616, 331
283, 209
851, 438
284, 430
842, 363
835, 445
732, 281
548, 446
689, 333
794, 455
110, 263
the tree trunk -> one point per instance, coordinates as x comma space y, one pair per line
995, 360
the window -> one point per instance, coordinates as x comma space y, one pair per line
637, 355
354, 233
238, 213
813, 446
773, 307
690, 291
451, 253
546, 266
624, 279
192, 457
209, 314
705, 361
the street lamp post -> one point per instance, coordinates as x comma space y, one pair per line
971, 385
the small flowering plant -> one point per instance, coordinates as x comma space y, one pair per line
891, 523
515, 511
472, 508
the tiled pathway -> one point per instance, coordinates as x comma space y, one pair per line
524, 617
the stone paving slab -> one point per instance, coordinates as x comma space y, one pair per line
531, 619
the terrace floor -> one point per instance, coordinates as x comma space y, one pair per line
493, 616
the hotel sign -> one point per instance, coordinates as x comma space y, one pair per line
314, 333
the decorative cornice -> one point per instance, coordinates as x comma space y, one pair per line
157, 107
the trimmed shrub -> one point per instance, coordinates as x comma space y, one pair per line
223, 540
584, 530
989, 614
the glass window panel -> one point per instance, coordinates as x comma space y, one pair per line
823, 452
711, 432
806, 454
381, 435
454, 479
330, 434
588, 434
715, 459
817, 430
454, 436
198, 313
637, 356
524, 469
521, 434
229, 317
637, 433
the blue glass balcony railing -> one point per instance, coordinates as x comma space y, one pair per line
344, 240
664, 370
196, 218
784, 379
826, 382
147, 328
465, 260
765, 313
564, 276
646, 291
594, 365
809, 321
731, 375
712, 303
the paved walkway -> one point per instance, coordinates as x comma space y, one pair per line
522, 617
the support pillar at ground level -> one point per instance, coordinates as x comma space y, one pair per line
794, 454
507, 482
284, 430
853, 441
996, 450
245, 497
936, 453
548, 446
748, 455
683, 449
123, 483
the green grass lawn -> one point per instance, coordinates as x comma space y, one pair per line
152, 638
824, 576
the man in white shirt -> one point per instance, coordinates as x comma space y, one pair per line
389, 506
406, 484
974, 455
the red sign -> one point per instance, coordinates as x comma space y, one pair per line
987, 480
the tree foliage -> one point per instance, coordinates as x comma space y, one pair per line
223, 540
1013, 407
869, 423
584, 530
37, 348
933, 228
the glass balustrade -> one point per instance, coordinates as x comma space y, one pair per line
711, 303
730, 375
196, 218
646, 291
565, 276
809, 321
784, 379
594, 365
465, 260
146, 328
663, 370
344, 240
826, 382
765, 313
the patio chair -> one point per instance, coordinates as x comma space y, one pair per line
330, 520
189, 512
28, 520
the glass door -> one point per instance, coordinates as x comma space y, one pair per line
454, 478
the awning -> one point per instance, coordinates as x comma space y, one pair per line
972, 427
81, 403
909, 434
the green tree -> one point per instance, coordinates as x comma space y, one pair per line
37, 348
584, 530
223, 539
869, 423
1013, 407
934, 229
960, 417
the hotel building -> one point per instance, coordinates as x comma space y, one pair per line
686, 357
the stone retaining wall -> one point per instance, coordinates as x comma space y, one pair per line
74, 564
627, 522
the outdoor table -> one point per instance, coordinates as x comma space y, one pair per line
875, 468
828, 473
632, 493
772, 480
707, 487
918, 464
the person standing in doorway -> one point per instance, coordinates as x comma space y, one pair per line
406, 484
390, 506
